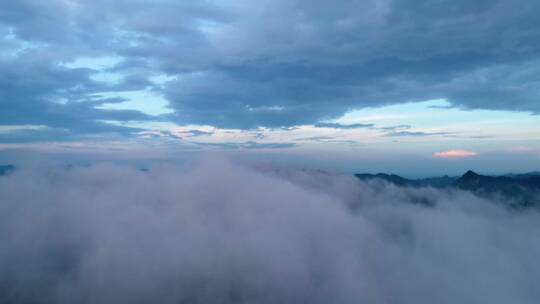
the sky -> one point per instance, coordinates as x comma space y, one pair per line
412, 87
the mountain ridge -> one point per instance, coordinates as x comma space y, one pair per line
522, 190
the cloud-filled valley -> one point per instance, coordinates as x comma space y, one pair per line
219, 231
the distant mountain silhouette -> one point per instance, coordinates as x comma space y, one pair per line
438, 182
391, 178
472, 180
443, 181
524, 189
5, 169
523, 175
517, 190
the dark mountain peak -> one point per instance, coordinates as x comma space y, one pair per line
470, 174
471, 180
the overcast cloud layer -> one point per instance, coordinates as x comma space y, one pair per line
243, 64
218, 232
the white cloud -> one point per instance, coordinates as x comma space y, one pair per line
218, 232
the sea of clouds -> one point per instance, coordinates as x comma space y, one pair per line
215, 231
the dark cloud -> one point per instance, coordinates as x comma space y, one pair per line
35, 93
318, 60
285, 63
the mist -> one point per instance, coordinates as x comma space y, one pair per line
219, 231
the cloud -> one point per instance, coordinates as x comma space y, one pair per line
308, 61
59, 98
248, 145
196, 133
316, 138
396, 128
416, 133
341, 126
331, 60
326, 139
218, 232
405, 130
454, 153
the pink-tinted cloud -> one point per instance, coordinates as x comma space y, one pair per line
455, 153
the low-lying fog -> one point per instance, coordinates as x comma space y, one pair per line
221, 232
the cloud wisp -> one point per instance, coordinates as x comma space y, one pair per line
219, 232
332, 125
